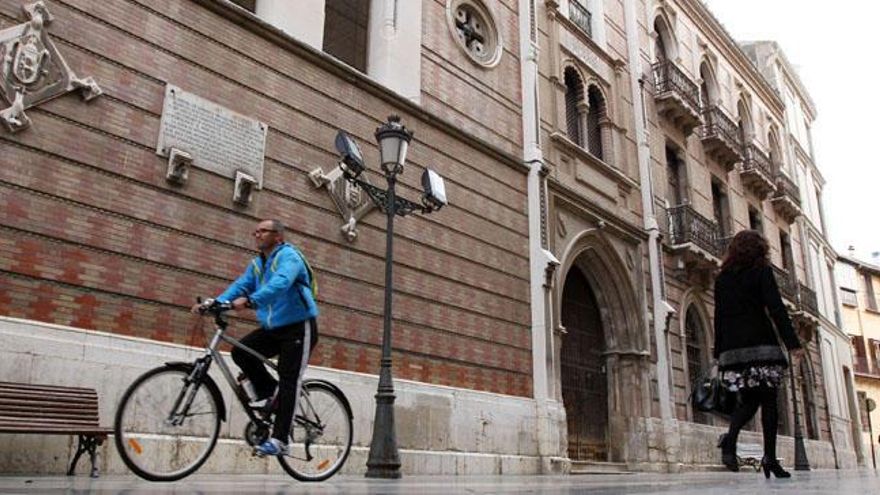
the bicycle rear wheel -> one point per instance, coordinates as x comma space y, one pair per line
321, 433
166, 428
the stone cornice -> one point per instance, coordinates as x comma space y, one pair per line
860, 265
815, 234
805, 157
621, 179
795, 78
615, 223
731, 51
354, 77
804, 95
555, 13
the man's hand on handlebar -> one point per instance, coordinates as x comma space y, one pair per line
201, 306
240, 303
215, 306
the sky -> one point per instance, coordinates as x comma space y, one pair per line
833, 46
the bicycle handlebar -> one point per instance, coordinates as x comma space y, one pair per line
213, 306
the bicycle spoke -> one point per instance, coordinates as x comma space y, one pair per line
160, 444
320, 436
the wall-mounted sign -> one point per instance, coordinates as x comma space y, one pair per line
216, 138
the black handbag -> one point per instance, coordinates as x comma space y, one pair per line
710, 395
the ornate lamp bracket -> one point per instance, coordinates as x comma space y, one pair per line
349, 199
32, 70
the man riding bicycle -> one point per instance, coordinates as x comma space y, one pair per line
277, 285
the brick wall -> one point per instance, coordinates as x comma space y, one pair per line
91, 234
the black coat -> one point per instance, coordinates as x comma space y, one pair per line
743, 331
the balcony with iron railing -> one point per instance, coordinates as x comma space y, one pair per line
787, 198
808, 300
757, 173
723, 244
862, 366
687, 226
801, 302
580, 16
677, 96
693, 241
787, 284
721, 137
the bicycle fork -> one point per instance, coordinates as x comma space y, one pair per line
187, 394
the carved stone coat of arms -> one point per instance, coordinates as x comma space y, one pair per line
31, 69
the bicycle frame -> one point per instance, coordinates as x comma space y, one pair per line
203, 364
311, 455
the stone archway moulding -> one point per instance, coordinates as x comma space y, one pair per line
627, 356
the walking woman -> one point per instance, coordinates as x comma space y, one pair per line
750, 359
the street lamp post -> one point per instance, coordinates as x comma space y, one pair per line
801, 463
394, 139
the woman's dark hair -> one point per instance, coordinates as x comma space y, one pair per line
747, 249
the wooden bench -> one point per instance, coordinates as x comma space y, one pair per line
54, 410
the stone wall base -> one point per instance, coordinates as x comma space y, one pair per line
440, 430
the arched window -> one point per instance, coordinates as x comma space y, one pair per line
595, 120
660, 54
696, 353
665, 45
574, 102
745, 122
776, 160
708, 88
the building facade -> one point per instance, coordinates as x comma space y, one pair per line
596, 155
857, 281
109, 233
660, 124
816, 251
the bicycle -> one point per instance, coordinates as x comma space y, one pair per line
180, 405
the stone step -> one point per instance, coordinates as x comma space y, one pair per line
597, 467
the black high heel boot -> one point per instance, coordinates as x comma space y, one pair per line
728, 453
773, 466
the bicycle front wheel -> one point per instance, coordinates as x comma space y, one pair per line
321, 433
166, 427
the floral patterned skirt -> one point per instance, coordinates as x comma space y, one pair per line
753, 376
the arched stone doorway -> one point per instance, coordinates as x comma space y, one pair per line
584, 380
601, 335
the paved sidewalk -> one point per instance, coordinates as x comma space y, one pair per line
815, 482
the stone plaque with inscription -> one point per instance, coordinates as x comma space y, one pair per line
217, 138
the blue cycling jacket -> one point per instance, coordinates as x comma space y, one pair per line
278, 286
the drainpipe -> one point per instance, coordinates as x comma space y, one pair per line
661, 309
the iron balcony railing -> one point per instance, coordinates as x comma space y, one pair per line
860, 363
808, 299
686, 225
788, 286
669, 78
786, 187
848, 297
580, 16
717, 124
723, 244
755, 159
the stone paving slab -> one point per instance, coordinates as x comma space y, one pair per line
815, 482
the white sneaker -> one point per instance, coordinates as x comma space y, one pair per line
271, 447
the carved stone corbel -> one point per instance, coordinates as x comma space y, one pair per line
32, 70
